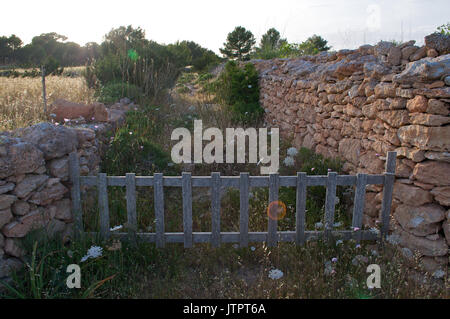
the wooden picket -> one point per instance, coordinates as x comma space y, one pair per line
244, 183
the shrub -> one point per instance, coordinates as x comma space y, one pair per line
113, 92
238, 87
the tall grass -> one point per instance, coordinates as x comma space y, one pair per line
21, 101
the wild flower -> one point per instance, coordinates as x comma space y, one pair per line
334, 259
318, 225
66, 120
116, 228
249, 86
252, 248
312, 169
393, 239
131, 133
93, 252
338, 224
289, 161
358, 246
439, 273
339, 242
275, 274
356, 228
292, 151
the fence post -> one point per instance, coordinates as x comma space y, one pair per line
130, 180
358, 204
103, 205
159, 208
389, 179
330, 203
300, 208
215, 209
243, 216
273, 223
186, 190
74, 171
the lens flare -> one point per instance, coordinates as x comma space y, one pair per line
276, 210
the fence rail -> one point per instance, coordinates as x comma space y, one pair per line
243, 182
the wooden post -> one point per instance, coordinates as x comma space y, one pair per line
131, 205
330, 203
74, 170
358, 204
274, 183
159, 208
215, 209
243, 217
103, 205
186, 190
44, 94
300, 209
389, 179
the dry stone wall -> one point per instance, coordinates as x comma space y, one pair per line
360, 104
34, 176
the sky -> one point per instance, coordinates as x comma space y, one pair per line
345, 24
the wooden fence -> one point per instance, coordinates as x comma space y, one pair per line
243, 182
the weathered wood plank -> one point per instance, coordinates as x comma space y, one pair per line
300, 206
74, 170
388, 189
130, 183
358, 203
330, 203
273, 197
158, 191
243, 216
102, 189
215, 209
187, 208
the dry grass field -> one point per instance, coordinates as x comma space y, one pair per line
21, 98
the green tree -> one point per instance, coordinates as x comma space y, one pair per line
239, 44
313, 45
8, 48
271, 40
444, 29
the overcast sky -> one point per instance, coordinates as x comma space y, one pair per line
345, 24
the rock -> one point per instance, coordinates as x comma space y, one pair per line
385, 90
350, 149
432, 53
409, 51
383, 47
395, 118
52, 192
414, 154
417, 104
438, 156
438, 107
419, 54
17, 229
7, 187
29, 184
62, 209
9, 265
432, 172
424, 70
431, 264
447, 80
5, 217
84, 135
394, 55
352, 111
20, 208
53, 141
439, 42
411, 195
6, 201
59, 168
13, 248
446, 228
429, 119
424, 246
69, 110
20, 158
426, 138
420, 221
442, 195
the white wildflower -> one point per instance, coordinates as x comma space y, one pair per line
439, 273
191, 108
374, 230
292, 151
93, 252
252, 248
318, 225
339, 242
116, 228
275, 274
249, 86
338, 224
289, 161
